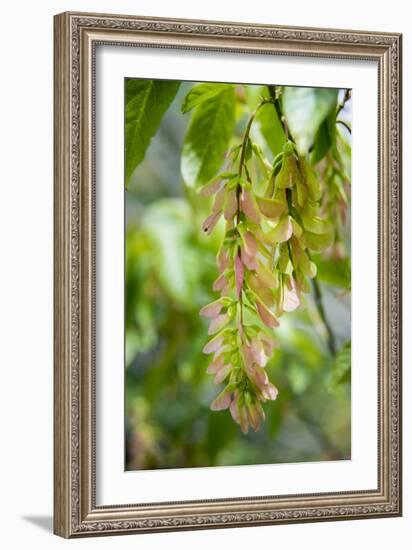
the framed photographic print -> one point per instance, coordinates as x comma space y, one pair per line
227, 274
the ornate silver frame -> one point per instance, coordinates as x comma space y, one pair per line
75, 511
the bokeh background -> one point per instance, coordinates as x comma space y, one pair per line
170, 268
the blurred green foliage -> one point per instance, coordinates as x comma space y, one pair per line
170, 268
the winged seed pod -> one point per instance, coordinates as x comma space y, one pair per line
263, 267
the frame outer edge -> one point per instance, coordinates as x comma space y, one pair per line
62, 313
75, 514
400, 335
397, 100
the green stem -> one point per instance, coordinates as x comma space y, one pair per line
242, 166
246, 134
278, 109
345, 99
345, 124
321, 311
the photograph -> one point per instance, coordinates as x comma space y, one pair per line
237, 268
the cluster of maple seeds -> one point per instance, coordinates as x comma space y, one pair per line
263, 264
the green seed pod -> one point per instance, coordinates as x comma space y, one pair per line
301, 192
289, 148
307, 267
316, 241
289, 174
302, 282
284, 263
296, 228
315, 224
310, 179
231, 311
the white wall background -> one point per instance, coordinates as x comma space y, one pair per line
26, 271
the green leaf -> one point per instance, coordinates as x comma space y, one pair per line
305, 109
298, 376
325, 138
198, 94
254, 95
177, 263
271, 128
341, 368
333, 272
220, 431
146, 103
208, 136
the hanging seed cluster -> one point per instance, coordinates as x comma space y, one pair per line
264, 266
